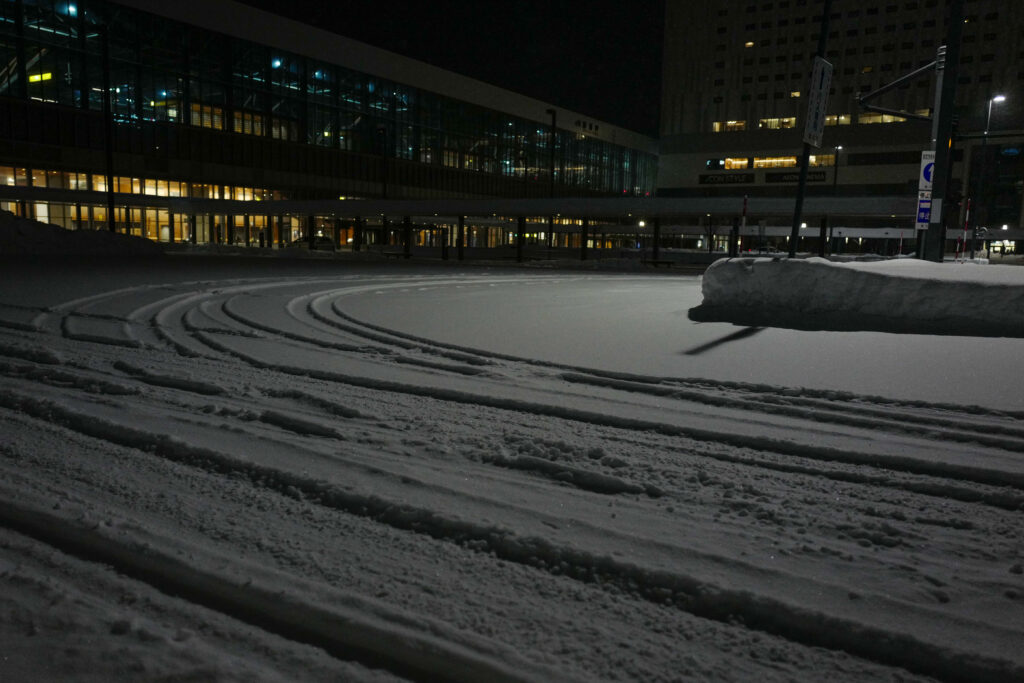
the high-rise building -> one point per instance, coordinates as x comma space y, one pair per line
736, 90
111, 110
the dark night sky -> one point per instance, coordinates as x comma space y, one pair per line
597, 57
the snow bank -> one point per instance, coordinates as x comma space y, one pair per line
897, 296
25, 237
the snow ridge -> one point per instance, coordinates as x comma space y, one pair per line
903, 295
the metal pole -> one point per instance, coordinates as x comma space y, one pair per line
551, 180
583, 240
551, 144
835, 170
822, 236
935, 239
108, 123
984, 175
805, 155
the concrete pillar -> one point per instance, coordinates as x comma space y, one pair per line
357, 234
520, 238
407, 237
461, 238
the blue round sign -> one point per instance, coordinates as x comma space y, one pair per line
928, 171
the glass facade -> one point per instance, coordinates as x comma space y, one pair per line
177, 92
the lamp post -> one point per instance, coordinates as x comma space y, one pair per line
984, 166
835, 170
551, 177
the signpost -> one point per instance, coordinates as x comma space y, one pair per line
821, 77
924, 190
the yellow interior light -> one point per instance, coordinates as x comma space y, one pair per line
36, 78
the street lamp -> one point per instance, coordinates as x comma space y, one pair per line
984, 164
996, 100
835, 169
551, 176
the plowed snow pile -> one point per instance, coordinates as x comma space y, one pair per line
899, 295
25, 237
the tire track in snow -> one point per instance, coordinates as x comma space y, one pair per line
697, 597
1004, 500
354, 631
1011, 437
909, 464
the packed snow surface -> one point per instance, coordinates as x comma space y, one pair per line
281, 470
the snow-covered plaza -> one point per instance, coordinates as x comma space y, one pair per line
274, 469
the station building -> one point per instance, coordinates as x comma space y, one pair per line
130, 115
734, 106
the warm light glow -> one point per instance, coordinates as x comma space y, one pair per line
36, 78
774, 162
720, 126
749, 43
777, 123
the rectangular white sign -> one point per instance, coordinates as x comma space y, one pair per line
817, 101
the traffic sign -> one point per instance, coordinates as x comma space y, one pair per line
924, 179
924, 213
817, 101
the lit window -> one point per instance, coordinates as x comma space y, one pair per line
774, 162
837, 120
749, 43
721, 126
822, 160
736, 162
795, 93
205, 116
36, 78
777, 123
875, 117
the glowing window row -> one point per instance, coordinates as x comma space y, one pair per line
784, 122
69, 180
739, 163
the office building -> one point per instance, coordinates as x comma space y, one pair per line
735, 101
111, 110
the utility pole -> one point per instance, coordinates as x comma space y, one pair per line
108, 128
551, 178
819, 77
946, 70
